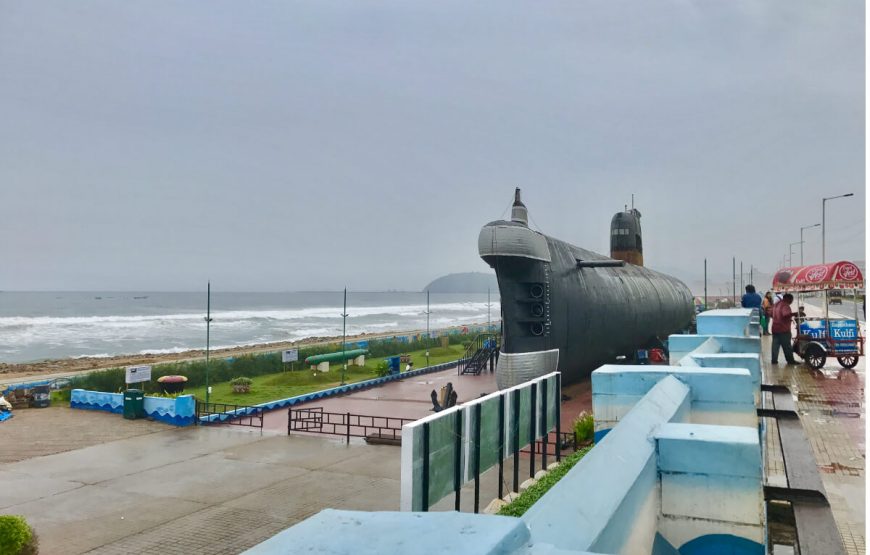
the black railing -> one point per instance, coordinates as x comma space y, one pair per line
315, 420
223, 413
481, 351
569, 441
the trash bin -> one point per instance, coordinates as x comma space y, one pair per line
41, 397
134, 404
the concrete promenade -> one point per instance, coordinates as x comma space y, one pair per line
831, 407
211, 490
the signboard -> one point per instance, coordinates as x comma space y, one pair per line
137, 374
290, 355
841, 330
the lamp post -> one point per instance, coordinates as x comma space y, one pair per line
791, 252
428, 336
824, 200
802, 239
207, 339
344, 337
705, 284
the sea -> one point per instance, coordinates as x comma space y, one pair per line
57, 325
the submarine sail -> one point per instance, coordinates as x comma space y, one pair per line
569, 309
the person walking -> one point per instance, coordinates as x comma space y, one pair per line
766, 312
752, 300
782, 317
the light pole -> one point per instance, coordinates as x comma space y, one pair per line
207, 339
791, 252
428, 337
705, 284
802, 239
344, 337
824, 200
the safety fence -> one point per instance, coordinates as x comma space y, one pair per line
444, 451
224, 413
347, 424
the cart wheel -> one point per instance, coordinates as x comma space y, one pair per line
848, 361
815, 356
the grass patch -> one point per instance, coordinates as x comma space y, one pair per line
281, 385
584, 427
521, 504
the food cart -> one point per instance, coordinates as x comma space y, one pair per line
819, 338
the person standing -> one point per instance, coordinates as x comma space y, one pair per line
766, 312
752, 300
782, 317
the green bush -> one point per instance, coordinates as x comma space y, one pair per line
16, 536
584, 427
521, 504
241, 381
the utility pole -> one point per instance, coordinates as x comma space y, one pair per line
705, 284
428, 336
344, 337
207, 339
802, 239
824, 200
741, 276
734, 279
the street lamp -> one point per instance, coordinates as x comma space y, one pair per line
207, 339
791, 252
344, 337
824, 200
802, 239
428, 335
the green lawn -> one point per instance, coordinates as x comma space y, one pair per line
271, 387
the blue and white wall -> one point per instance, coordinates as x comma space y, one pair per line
178, 411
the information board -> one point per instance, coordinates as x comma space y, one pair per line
136, 374
290, 355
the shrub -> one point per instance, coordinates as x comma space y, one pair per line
16, 536
584, 427
383, 369
521, 504
241, 384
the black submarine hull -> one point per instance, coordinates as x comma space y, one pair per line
569, 309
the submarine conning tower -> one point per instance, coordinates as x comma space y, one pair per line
569, 309
626, 241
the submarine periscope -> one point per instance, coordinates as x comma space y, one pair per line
569, 309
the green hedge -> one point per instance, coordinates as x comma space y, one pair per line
16, 536
521, 504
223, 370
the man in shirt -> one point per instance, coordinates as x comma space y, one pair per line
781, 329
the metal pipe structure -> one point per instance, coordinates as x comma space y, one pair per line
569, 309
824, 200
802, 239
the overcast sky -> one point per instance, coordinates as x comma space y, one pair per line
279, 145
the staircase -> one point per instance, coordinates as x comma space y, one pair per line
478, 354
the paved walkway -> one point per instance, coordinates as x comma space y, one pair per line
831, 407
194, 490
37, 432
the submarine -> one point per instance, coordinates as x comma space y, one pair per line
571, 310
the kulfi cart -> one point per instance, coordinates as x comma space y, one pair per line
820, 338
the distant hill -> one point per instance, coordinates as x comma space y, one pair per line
468, 282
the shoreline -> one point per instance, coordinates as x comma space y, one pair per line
58, 368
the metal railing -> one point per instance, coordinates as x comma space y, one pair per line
569, 441
477, 354
223, 413
316, 420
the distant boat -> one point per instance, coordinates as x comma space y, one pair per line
142, 297
98, 298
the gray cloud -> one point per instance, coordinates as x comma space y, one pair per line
308, 145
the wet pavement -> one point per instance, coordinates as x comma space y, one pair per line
831, 407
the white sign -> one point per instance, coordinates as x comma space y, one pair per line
291, 355
138, 374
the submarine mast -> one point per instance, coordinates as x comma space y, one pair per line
626, 242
